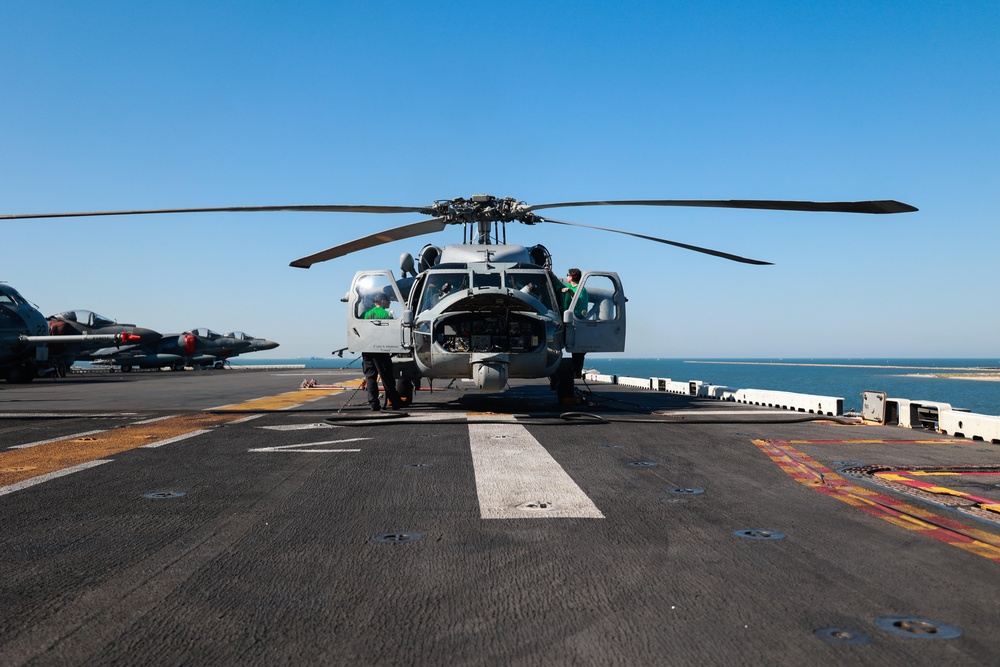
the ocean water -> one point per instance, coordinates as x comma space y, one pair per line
845, 378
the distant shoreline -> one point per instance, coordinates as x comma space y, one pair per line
994, 372
982, 377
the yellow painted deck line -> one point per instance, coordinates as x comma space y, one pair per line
876, 442
284, 401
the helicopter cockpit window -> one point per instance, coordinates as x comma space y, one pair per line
440, 285
487, 280
534, 283
596, 300
373, 288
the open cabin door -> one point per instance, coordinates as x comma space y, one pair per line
595, 320
375, 335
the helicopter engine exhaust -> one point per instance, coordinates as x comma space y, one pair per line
490, 371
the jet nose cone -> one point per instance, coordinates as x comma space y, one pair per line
266, 345
146, 335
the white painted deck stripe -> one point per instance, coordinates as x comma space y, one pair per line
512, 468
74, 436
298, 427
154, 420
301, 448
177, 438
11, 488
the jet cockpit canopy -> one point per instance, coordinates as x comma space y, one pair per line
85, 317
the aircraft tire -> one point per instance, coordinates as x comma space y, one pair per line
126, 368
564, 380
21, 374
404, 387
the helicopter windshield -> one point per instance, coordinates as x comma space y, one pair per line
535, 283
440, 285
487, 280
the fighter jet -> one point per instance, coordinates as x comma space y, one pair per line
24, 338
256, 344
86, 322
200, 348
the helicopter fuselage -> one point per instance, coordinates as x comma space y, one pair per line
486, 313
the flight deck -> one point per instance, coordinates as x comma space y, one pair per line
225, 517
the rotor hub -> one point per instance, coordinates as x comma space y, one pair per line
483, 208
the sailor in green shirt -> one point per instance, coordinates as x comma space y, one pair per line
376, 364
379, 310
570, 288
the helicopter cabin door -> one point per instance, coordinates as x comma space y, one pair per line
375, 322
595, 319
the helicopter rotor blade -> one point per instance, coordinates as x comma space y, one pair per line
880, 206
388, 236
707, 251
424, 210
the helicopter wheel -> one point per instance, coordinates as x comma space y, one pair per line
404, 388
562, 382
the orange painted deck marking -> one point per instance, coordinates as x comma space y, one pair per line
18, 465
905, 477
809, 472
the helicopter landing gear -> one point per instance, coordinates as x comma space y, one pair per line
562, 382
404, 387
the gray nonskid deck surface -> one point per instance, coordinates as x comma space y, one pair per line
287, 539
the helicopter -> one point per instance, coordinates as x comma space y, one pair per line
24, 338
487, 310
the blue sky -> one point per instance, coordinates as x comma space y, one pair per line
124, 105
